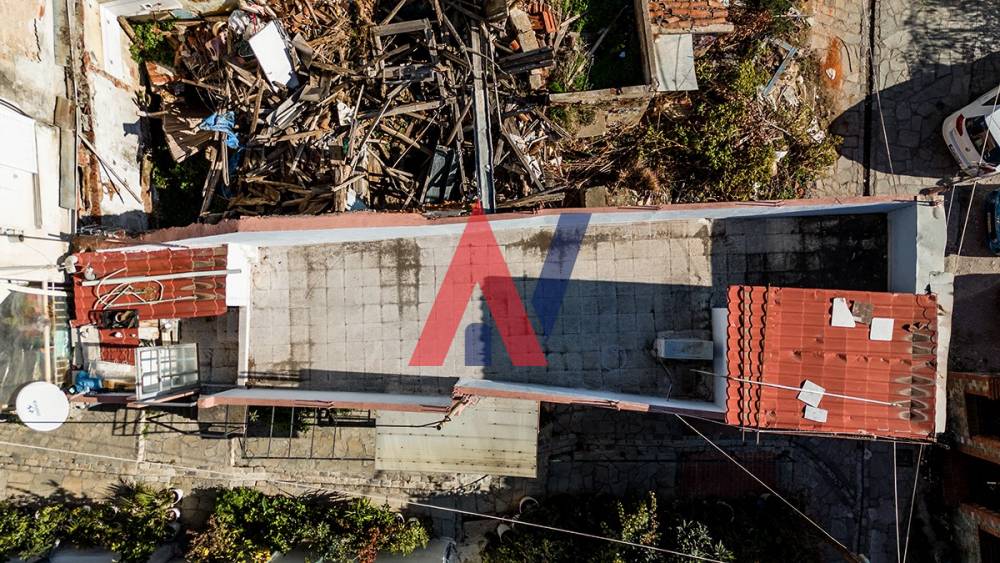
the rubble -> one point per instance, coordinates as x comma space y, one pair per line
324, 105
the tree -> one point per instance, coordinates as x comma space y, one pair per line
636, 523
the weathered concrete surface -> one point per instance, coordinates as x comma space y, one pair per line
347, 316
107, 89
32, 77
31, 72
975, 344
846, 486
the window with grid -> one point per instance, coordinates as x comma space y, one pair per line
165, 369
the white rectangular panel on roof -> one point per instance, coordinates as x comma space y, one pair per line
811, 393
240, 258
674, 56
881, 329
493, 436
815, 414
842, 315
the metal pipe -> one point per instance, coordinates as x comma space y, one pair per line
177, 276
46, 334
33, 290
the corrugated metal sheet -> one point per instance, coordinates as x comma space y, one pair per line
167, 299
783, 336
492, 436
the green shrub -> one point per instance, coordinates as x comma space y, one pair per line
774, 7
46, 530
723, 160
694, 538
140, 516
150, 44
748, 76
15, 528
247, 526
178, 187
637, 522
132, 524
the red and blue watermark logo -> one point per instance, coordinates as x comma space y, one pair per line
478, 261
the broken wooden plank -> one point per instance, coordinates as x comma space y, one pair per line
410, 26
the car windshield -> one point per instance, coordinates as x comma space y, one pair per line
980, 134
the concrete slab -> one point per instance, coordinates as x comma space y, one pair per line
674, 56
347, 316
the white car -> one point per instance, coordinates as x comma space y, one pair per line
971, 134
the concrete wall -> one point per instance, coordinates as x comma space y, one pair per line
35, 55
916, 246
29, 190
384, 230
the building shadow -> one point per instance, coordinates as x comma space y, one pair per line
912, 113
975, 338
968, 229
603, 332
955, 29
129, 222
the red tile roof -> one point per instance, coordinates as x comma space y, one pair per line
783, 336
118, 345
164, 299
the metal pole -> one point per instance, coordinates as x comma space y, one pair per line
161, 277
481, 127
270, 434
291, 431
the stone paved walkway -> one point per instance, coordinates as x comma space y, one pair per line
929, 58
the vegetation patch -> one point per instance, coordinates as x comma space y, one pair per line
747, 529
727, 141
133, 524
178, 186
635, 522
151, 44
246, 526
584, 64
249, 526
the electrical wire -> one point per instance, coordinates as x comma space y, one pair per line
790, 388
806, 433
762, 483
913, 500
895, 502
972, 195
226, 476
881, 117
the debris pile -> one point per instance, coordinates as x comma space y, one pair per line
327, 105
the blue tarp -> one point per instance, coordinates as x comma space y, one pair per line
223, 123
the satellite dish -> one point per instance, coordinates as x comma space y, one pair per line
42, 406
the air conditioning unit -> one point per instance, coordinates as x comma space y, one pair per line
683, 349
